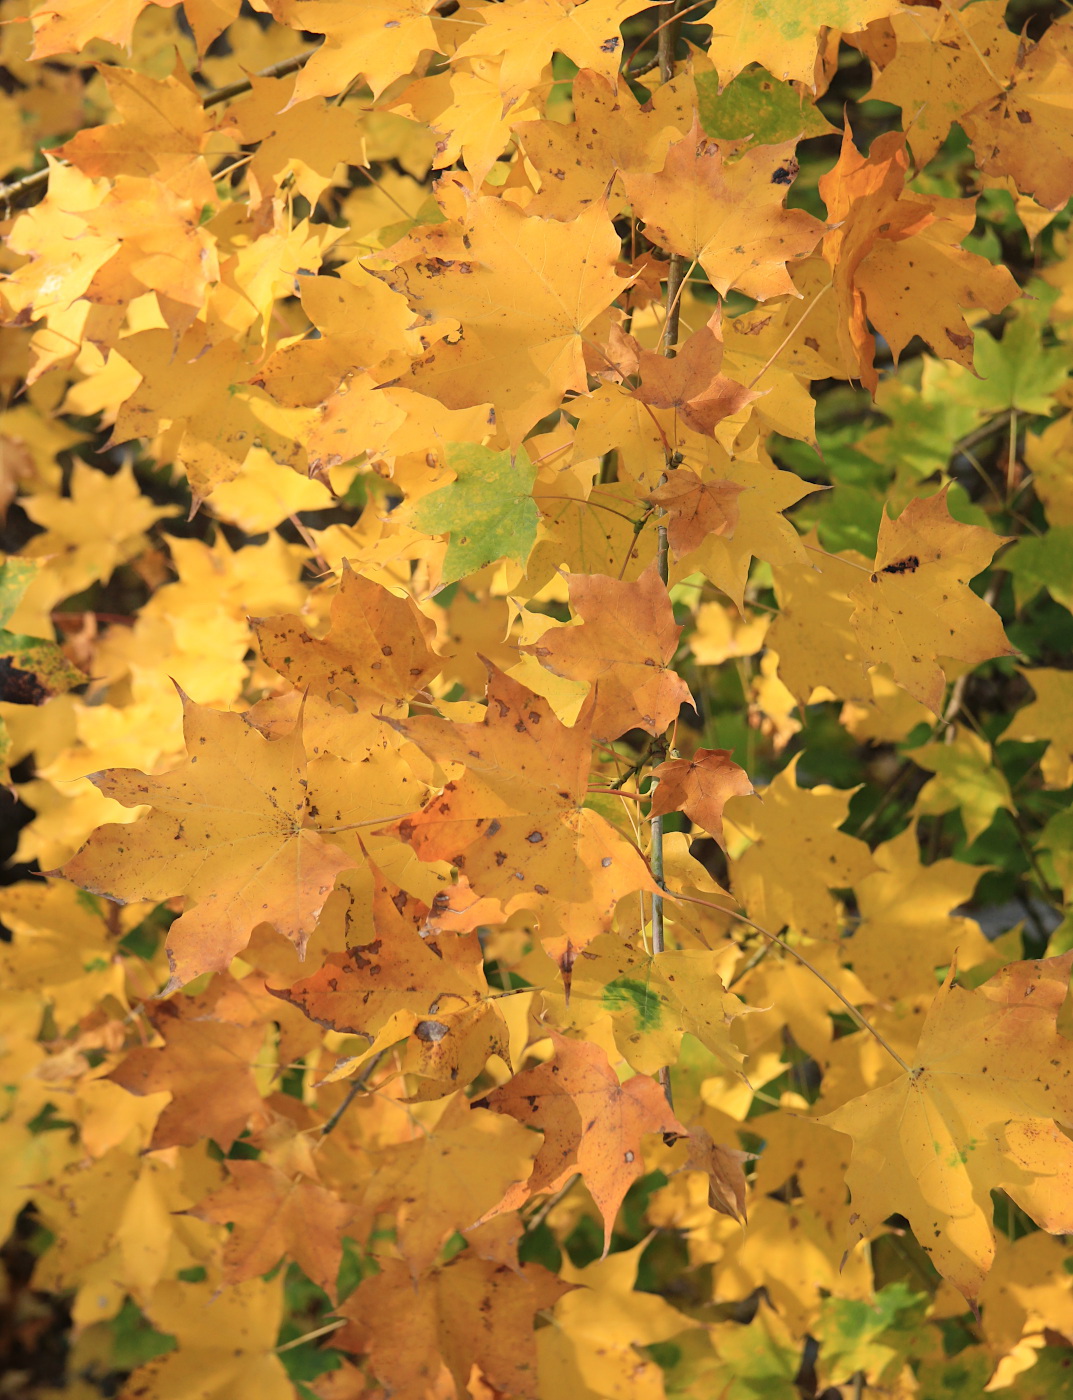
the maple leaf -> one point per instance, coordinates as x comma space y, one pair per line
760, 531
67, 28
407, 981
699, 787
690, 383
1024, 130
232, 829
591, 1123
515, 821
973, 1113
908, 927
696, 509
527, 32
896, 261
704, 206
916, 605
653, 1000
449, 1177
209, 1041
488, 510
377, 651
200, 388
162, 126
274, 1217
798, 855
966, 778
227, 1342
1049, 716
937, 74
623, 646
610, 132
380, 40
785, 40
524, 291
473, 1312
464, 107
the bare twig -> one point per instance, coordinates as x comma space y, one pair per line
357, 1087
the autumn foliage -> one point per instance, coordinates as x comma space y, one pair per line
537, 673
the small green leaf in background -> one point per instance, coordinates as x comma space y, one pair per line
1041, 562
873, 1335
488, 512
16, 575
756, 108
966, 777
1018, 371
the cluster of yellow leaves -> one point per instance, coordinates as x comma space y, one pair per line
358, 945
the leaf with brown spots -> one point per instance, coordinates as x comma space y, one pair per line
896, 264
406, 982
377, 652
624, 646
916, 608
515, 821
591, 1123
231, 828
724, 207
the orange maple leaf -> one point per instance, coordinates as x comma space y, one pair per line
696, 509
895, 259
690, 382
624, 646
515, 821
592, 1124
699, 787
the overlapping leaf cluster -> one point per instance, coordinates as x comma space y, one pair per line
536, 640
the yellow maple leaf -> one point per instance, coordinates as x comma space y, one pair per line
973, 1112
524, 292
232, 829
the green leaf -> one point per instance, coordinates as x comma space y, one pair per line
1055, 842
756, 108
488, 512
16, 575
1051, 1378
763, 1358
870, 1335
957, 1376
1016, 371
1046, 562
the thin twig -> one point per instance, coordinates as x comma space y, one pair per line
538, 1217
356, 1087
668, 40
275, 70
309, 1336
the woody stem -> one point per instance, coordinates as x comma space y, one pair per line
668, 36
